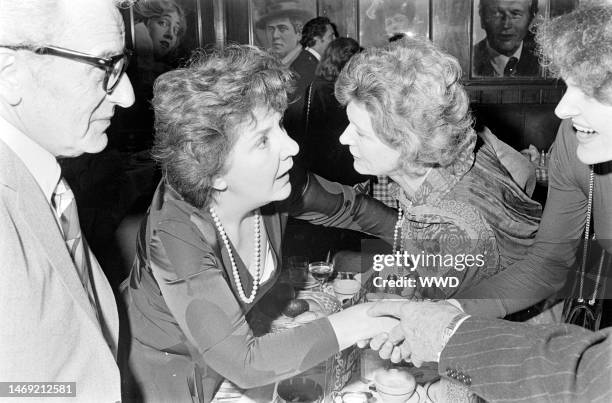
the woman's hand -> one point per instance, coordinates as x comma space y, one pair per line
354, 324
422, 334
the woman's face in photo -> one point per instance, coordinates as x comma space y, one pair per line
372, 156
592, 121
259, 163
164, 31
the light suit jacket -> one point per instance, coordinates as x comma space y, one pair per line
49, 330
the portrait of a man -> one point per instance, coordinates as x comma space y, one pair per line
281, 23
508, 50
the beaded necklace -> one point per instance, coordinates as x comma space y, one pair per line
398, 229
257, 253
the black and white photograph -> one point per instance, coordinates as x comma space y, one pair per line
306, 201
379, 20
504, 38
278, 25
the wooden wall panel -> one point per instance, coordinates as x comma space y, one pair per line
450, 29
236, 21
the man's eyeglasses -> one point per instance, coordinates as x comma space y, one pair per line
114, 66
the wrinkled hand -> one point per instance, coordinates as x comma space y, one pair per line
420, 336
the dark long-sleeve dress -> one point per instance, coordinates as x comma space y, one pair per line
188, 325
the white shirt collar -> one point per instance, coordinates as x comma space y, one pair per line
499, 61
41, 163
314, 53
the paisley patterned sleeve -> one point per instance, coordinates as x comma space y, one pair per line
450, 252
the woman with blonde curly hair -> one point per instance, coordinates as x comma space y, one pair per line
209, 249
461, 213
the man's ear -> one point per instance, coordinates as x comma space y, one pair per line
219, 184
9, 80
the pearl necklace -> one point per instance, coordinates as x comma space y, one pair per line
257, 253
398, 228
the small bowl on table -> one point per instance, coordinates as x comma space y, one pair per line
394, 385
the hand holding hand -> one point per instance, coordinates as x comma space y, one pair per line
420, 337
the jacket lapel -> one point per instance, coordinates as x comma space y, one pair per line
40, 218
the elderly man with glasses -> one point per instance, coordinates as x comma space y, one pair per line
62, 66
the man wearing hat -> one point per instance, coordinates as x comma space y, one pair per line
283, 22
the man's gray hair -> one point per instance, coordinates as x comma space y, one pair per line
34, 22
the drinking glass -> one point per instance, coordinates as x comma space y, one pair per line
298, 274
321, 271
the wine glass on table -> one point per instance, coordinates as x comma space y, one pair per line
321, 271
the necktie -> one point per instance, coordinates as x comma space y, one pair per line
64, 203
510, 69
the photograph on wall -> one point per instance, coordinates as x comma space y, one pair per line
503, 38
379, 20
277, 25
162, 34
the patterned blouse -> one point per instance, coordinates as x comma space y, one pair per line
466, 221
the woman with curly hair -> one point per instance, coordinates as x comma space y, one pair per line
464, 217
507, 361
209, 247
577, 47
165, 24
159, 28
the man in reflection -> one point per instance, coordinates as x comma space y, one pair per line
509, 49
316, 36
283, 24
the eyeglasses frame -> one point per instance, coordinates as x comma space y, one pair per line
106, 64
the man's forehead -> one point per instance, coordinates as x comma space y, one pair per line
94, 26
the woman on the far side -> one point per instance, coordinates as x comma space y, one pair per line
461, 211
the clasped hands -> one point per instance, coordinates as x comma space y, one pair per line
421, 334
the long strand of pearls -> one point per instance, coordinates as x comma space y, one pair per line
257, 253
398, 229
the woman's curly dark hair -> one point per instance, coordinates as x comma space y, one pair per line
578, 46
334, 58
416, 102
198, 107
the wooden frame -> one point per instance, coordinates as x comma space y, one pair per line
506, 28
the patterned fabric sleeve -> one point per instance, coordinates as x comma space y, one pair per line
457, 252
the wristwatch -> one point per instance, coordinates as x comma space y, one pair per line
452, 326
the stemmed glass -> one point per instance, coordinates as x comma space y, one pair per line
321, 271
